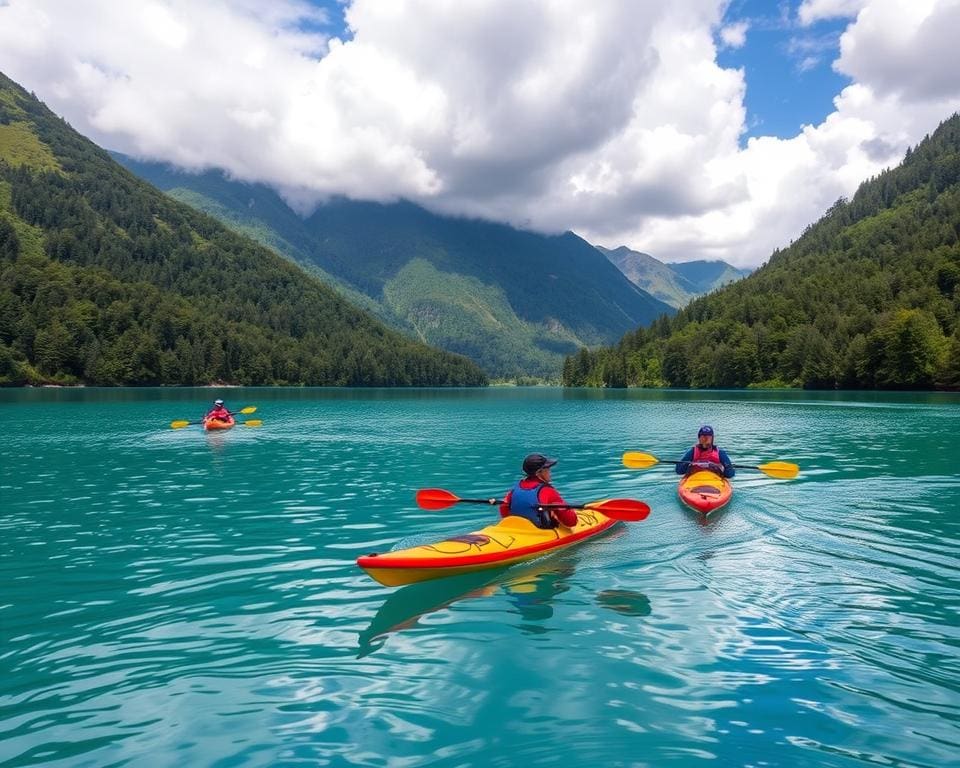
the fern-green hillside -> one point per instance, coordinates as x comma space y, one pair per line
19, 145
464, 315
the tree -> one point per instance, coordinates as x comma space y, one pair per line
907, 350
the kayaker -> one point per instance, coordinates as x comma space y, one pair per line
219, 412
535, 489
705, 455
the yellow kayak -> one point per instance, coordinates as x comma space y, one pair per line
511, 540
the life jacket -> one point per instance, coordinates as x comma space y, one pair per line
712, 455
524, 503
219, 413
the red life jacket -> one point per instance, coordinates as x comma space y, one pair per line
712, 454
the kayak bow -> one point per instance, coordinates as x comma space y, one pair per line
704, 491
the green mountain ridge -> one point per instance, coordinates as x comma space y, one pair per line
868, 297
105, 280
515, 302
676, 284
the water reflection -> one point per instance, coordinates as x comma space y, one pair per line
530, 589
626, 602
532, 594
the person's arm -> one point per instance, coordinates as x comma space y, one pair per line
505, 505
563, 515
683, 466
728, 470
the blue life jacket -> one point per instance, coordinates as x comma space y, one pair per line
524, 503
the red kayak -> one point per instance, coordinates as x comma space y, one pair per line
704, 491
209, 424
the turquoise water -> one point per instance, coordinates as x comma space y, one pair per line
173, 598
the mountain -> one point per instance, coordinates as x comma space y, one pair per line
708, 275
867, 297
676, 284
513, 301
653, 276
105, 280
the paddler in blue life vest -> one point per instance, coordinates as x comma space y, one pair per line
534, 490
705, 455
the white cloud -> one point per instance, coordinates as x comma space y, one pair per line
907, 49
735, 35
811, 11
612, 119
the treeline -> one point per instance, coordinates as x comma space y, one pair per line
106, 281
868, 297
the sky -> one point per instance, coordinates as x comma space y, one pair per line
694, 129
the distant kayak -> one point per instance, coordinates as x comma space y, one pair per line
210, 424
704, 491
511, 540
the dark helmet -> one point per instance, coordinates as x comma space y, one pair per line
706, 429
535, 462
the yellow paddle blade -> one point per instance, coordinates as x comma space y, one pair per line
252, 423
179, 424
637, 460
248, 409
783, 470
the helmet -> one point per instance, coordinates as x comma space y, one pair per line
535, 462
706, 429
218, 402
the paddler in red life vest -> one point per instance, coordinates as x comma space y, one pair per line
219, 412
534, 490
705, 455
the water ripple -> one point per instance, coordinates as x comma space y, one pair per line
176, 598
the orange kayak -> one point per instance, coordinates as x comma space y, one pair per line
704, 491
512, 540
209, 424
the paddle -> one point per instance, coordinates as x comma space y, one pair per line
249, 409
783, 470
618, 509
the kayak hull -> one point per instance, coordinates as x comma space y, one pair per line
214, 424
705, 491
511, 540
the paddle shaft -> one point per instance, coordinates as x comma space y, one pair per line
621, 509
695, 463
782, 470
493, 502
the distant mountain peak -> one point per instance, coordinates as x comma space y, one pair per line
676, 284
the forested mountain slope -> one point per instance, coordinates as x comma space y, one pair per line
513, 301
868, 297
105, 280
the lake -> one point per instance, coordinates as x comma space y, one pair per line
171, 597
